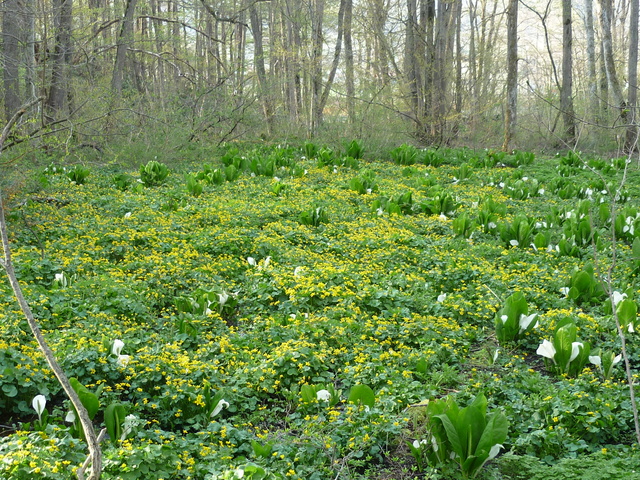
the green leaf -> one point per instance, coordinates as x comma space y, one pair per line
362, 394
563, 339
308, 393
260, 450
452, 434
636, 248
88, 399
582, 281
627, 311
114, 416
9, 390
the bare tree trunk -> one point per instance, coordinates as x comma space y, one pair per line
604, 86
411, 63
334, 64
256, 26
594, 106
512, 75
566, 98
473, 69
59, 91
348, 57
442, 68
316, 59
124, 40
606, 13
11, 36
632, 130
29, 50
458, 83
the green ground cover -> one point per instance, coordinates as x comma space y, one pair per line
257, 292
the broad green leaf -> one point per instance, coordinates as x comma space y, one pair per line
627, 311
582, 281
260, 450
562, 341
88, 399
308, 393
114, 416
636, 248
494, 433
362, 394
452, 435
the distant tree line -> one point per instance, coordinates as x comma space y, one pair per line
502, 72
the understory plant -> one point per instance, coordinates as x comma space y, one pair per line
467, 436
512, 320
564, 354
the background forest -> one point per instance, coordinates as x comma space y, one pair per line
535, 74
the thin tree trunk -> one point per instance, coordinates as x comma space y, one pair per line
348, 57
124, 40
606, 13
256, 26
458, 83
632, 130
29, 51
334, 64
594, 106
473, 69
512, 75
59, 91
566, 98
316, 59
11, 36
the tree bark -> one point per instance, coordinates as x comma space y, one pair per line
348, 58
256, 27
566, 93
125, 38
334, 64
11, 36
316, 65
594, 104
512, 75
606, 14
632, 99
59, 91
